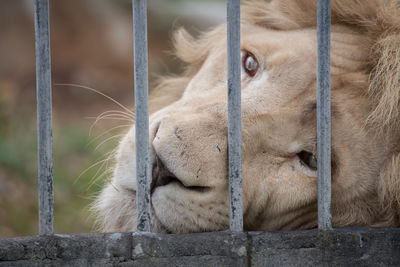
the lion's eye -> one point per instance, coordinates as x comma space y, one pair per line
308, 159
250, 64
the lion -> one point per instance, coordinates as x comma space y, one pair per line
188, 136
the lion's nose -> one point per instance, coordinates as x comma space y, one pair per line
186, 150
160, 175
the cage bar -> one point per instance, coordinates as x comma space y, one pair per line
234, 116
324, 115
143, 173
44, 117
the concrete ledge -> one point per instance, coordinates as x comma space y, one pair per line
341, 247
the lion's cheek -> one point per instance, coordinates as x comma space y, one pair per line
125, 169
276, 193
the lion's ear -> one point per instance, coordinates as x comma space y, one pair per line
389, 190
185, 46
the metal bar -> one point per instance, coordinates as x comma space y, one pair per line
324, 115
44, 117
234, 116
142, 117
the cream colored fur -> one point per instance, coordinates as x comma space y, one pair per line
189, 134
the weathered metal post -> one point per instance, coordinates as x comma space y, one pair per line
44, 117
143, 171
234, 116
324, 115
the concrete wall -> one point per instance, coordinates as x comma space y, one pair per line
344, 247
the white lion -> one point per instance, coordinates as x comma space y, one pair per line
189, 135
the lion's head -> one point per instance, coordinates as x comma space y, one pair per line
189, 135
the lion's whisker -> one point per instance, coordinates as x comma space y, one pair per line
95, 179
108, 116
108, 139
98, 92
119, 112
96, 176
87, 169
108, 131
107, 170
108, 155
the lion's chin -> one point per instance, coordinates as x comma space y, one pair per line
180, 210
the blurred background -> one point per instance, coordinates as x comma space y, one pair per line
91, 45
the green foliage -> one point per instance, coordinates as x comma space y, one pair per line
74, 186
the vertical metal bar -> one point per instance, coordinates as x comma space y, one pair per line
234, 116
324, 115
142, 117
44, 117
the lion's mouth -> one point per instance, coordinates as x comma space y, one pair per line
162, 176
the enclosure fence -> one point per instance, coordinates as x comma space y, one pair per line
143, 170
366, 247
